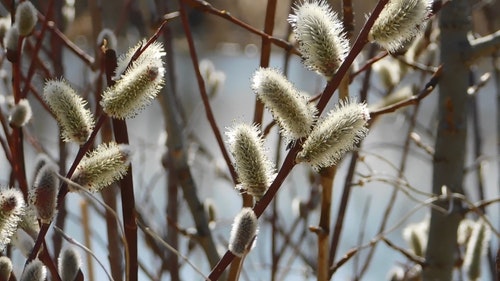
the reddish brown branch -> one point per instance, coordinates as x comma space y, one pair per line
207, 7
203, 92
429, 87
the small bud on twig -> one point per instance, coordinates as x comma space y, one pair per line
11, 43
43, 196
26, 18
20, 114
69, 263
34, 271
243, 232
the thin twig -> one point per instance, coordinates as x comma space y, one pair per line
207, 7
415, 99
203, 92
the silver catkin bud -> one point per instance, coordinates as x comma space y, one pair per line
11, 209
332, 137
43, 195
255, 171
5, 268
75, 120
20, 114
321, 36
476, 249
243, 232
34, 271
416, 235
289, 107
11, 40
399, 22
69, 264
101, 167
26, 17
139, 84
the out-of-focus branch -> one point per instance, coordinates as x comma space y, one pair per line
483, 46
207, 7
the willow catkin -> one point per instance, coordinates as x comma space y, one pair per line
137, 82
322, 41
102, 166
334, 135
75, 120
289, 107
255, 171
243, 232
399, 22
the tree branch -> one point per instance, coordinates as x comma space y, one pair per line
483, 46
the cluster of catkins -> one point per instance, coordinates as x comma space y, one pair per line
137, 82
472, 238
323, 141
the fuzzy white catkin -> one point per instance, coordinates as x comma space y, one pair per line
34, 271
5, 268
255, 171
139, 84
321, 36
21, 114
11, 209
101, 167
11, 39
399, 22
68, 264
26, 17
289, 107
332, 137
476, 249
43, 195
243, 232
75, 120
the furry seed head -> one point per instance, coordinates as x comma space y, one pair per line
69, 263
322, 41
288, 106
20, 114
101, 167
26, 18
243, 232
34, 271
11, 209
75, 120
255, 171
399, 22
476, 249
336, 134
43, 196
139, 84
